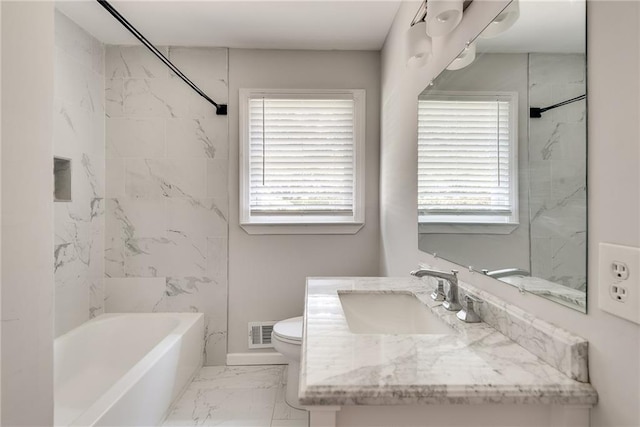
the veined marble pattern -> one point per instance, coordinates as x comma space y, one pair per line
166, 185
134, 295
236, 396
177, 254
79, 135
559, 348
197, 137
182, 177
134, 62
557, 151
143, 138
475, 364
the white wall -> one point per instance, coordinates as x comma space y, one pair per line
614, 163
78, 110
27, 213
267, 272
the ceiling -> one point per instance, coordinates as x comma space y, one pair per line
550, 26
261, 24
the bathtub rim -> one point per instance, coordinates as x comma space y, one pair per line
123, 384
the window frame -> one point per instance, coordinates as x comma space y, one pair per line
303, 224
450, 223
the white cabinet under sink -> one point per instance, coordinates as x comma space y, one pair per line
448, 415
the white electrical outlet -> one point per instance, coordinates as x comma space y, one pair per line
619, 270
618, 292
619, 281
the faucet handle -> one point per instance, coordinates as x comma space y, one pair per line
468, 314
470, 300
473, 298
454, 272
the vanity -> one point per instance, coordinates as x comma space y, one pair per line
501, 191
365, 366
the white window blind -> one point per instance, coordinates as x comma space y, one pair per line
302, 158
466, 147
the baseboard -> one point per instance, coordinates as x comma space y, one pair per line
256, 359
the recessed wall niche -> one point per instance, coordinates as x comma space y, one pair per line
61, 179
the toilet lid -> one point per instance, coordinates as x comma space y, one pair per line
290, 329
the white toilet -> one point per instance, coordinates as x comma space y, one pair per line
287, 339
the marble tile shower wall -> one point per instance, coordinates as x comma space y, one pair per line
79, 135
557, 152
166, 185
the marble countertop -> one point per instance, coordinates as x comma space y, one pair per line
475, 364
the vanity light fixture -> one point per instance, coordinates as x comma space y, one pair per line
434, 18
419, 46
466, 57
443, 16
503, 21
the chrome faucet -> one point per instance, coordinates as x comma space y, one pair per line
451, 295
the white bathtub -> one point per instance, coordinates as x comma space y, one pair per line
125, 369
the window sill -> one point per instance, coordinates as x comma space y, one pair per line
317, 228
434, 228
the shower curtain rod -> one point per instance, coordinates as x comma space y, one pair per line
536, 113
221, 109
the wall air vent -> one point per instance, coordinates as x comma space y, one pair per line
260, 334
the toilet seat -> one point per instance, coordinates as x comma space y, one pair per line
289, 330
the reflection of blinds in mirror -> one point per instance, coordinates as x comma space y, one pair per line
464, 145
302, 156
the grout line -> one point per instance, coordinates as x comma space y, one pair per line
275, 398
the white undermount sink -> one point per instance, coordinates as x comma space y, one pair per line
389, 313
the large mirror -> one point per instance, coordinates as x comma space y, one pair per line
502, 153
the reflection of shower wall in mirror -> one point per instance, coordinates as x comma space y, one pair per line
557, 143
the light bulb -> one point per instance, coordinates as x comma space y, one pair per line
503, 21
418, 45
443, 16
466, 57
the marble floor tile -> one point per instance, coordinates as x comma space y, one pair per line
223, 407
239, 396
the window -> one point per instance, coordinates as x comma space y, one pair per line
467, 160
302, 160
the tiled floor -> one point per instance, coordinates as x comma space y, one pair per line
238, 396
